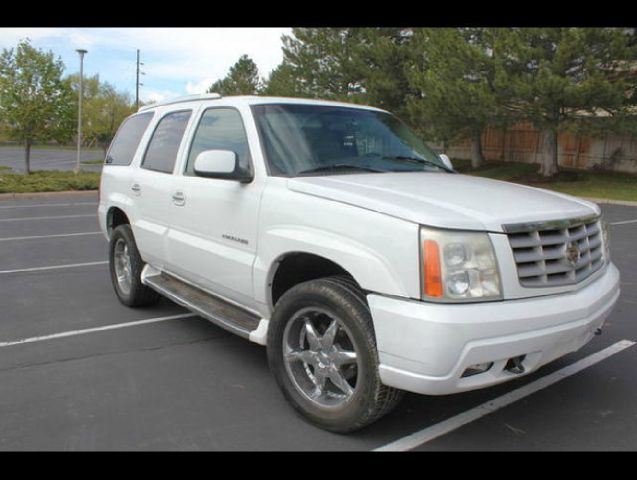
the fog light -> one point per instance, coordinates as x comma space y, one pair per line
476, 369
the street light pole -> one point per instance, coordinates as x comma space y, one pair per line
79, 113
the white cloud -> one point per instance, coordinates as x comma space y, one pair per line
185, 59
199, 87
150, 95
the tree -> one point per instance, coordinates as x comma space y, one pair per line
283, 82
363, 65
103, 110
325, 62
242, 79
384, 58
35, 102
554, 76
454, 77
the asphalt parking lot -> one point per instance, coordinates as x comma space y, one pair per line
43, 158
79, 371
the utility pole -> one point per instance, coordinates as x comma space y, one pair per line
137, 84
79, 113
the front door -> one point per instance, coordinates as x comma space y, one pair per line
213, 237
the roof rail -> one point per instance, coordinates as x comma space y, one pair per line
187, 98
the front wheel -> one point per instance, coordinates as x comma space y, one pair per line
322, 352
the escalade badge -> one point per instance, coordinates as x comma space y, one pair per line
572, 254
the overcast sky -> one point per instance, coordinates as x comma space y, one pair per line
177, 61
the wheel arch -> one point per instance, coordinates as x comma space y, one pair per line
114, 218
292, 268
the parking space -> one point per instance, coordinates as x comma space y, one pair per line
79, 371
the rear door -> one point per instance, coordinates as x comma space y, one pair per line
115, 180
152, 186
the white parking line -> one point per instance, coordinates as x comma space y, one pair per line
6, 239
72, 333
54, 267
17, 219
49, 205
624, 222
423, 436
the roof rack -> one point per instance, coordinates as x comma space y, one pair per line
187, 98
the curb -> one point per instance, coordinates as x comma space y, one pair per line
612, 202
26, 196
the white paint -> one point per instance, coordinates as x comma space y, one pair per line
430, 433
72, 333
39, 205
47, 218
624, 222
50, 236
260, 335
54, 267
425, 347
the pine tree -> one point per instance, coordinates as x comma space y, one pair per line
242, 79
555, 76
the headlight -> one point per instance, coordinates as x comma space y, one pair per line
458, 266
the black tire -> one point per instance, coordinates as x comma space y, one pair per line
139, 294
341, 297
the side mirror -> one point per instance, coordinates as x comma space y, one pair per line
221, 164
446, 161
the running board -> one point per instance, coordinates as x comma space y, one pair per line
218, 311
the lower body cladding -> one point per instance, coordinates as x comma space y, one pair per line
439, 349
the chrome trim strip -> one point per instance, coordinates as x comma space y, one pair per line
549, 225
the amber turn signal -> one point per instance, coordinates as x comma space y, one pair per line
433, 276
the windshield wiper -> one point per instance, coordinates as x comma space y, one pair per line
420, 160
339, 166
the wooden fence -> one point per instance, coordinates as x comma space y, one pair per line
522, 143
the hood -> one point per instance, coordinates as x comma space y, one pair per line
445, 200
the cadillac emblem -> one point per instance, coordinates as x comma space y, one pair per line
572, 254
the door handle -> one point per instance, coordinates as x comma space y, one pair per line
179, 199
136, 188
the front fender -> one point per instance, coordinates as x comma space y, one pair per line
371, 269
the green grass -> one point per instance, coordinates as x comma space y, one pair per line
591, 183
581, 183
98, 161
48, 181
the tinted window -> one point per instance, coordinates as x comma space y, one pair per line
164, 144
326, 140
126, 141
220, 129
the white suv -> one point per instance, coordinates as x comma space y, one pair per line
333, 235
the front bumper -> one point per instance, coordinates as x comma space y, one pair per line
425, 347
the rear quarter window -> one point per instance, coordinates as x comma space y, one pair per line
126, 141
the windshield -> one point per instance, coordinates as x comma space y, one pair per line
322, 140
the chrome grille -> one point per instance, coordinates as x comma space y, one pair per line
551, 254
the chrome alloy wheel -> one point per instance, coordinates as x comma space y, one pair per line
122, 264
320, 357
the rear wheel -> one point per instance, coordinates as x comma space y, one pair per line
322, 352
126, 267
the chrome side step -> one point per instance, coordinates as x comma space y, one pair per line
215, 309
